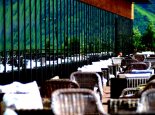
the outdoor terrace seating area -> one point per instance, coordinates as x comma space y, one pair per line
58, 57
102, 86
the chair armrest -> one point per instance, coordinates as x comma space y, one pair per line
128, 92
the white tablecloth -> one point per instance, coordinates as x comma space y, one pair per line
22, 96
146, 75
151, 71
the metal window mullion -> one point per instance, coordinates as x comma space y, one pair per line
86, 18
105, 14
67, 31
79, 31
36, 53
77, 37
94, 36
64, 33
45, 20
4, 35
56, 32
116, 38
99, 30
25, 38
49, 34
61, 35
103, 43
84, 31
89, 27
85, 28
53, 35
30, 39
74, 22
12, 35
18, 40
111, 31
79, 26
88, 38
41, 39
103, 35
93, 32
74, 50
99, 27
71, 29
77, 47
105, 23
111, 27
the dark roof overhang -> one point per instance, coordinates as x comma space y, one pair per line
141, 1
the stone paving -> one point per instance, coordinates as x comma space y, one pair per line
106, 97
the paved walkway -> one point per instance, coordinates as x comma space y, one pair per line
106, 97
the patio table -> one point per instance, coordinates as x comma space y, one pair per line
127, 80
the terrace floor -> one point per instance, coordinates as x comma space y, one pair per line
106, 97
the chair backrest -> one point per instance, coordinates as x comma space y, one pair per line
136, 66
53, 84
126, 62
76, 102
90, 80
139, 57
147, 101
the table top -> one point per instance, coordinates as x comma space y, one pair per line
129, 75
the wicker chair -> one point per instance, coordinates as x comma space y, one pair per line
139, 57
137, 91
90, 80
125, 62
129, 92
136, 66
147, 101
53, 84
76, 102
117, 106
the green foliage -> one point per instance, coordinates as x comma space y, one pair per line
145, 41
144, 30
143, 14
148, 37
137, 42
